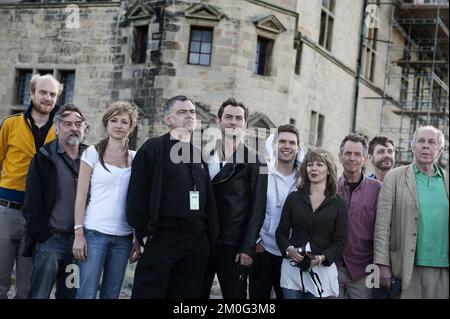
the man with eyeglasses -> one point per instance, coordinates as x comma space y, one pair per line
49, 206
170, 205
21, 135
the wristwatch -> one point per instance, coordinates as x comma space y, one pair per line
77, 227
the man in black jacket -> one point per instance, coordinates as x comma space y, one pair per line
170, 204
234, 170
49, 206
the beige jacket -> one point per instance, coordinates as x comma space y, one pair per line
396, 222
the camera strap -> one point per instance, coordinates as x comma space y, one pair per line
316, 283
319, 289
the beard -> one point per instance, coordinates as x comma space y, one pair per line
42, 109
381, 166
73, 140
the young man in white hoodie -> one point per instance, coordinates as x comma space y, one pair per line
284, 158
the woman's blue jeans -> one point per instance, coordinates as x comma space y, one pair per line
108, 254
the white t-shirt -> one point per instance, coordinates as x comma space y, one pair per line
106, 208
214, 165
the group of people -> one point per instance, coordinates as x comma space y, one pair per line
76, 215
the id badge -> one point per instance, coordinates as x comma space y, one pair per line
194, 201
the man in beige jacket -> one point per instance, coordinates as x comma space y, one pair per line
411, 230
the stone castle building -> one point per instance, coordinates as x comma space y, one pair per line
329, 67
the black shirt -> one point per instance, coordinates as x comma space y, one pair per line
353, 186
40, 133
179, 179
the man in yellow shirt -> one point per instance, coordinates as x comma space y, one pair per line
21, 135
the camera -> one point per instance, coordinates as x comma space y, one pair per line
305, 264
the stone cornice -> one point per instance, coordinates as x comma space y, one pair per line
57, 5
274, 7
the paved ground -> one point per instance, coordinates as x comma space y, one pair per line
128, 284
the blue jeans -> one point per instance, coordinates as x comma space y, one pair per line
108, 254
296, 294
50, 261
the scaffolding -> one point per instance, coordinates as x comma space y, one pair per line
416, 82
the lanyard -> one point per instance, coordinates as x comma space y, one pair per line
194, 176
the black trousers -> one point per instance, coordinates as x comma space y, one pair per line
265, 274
173, 266
232, 277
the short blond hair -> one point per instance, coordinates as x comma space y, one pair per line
37, 77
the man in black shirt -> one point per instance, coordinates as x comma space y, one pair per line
171, 206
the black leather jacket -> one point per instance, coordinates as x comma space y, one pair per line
238, 202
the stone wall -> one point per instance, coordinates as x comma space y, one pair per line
35, 36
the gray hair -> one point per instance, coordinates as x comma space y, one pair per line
64, 112
356, 138
167, 108
440, 135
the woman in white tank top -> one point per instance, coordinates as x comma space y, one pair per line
103, 239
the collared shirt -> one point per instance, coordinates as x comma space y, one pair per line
372, 176
432, 234
215, 165
362, 208
62, 218
278, 188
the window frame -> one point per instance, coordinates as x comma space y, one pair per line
201, 42
22, 97
62, 99
316, 129
327, 13
138, 53
268, 49
369, 53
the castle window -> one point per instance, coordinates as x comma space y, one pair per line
200, 46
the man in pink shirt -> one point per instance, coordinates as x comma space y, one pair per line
361, 195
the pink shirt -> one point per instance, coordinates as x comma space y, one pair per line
362, 209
